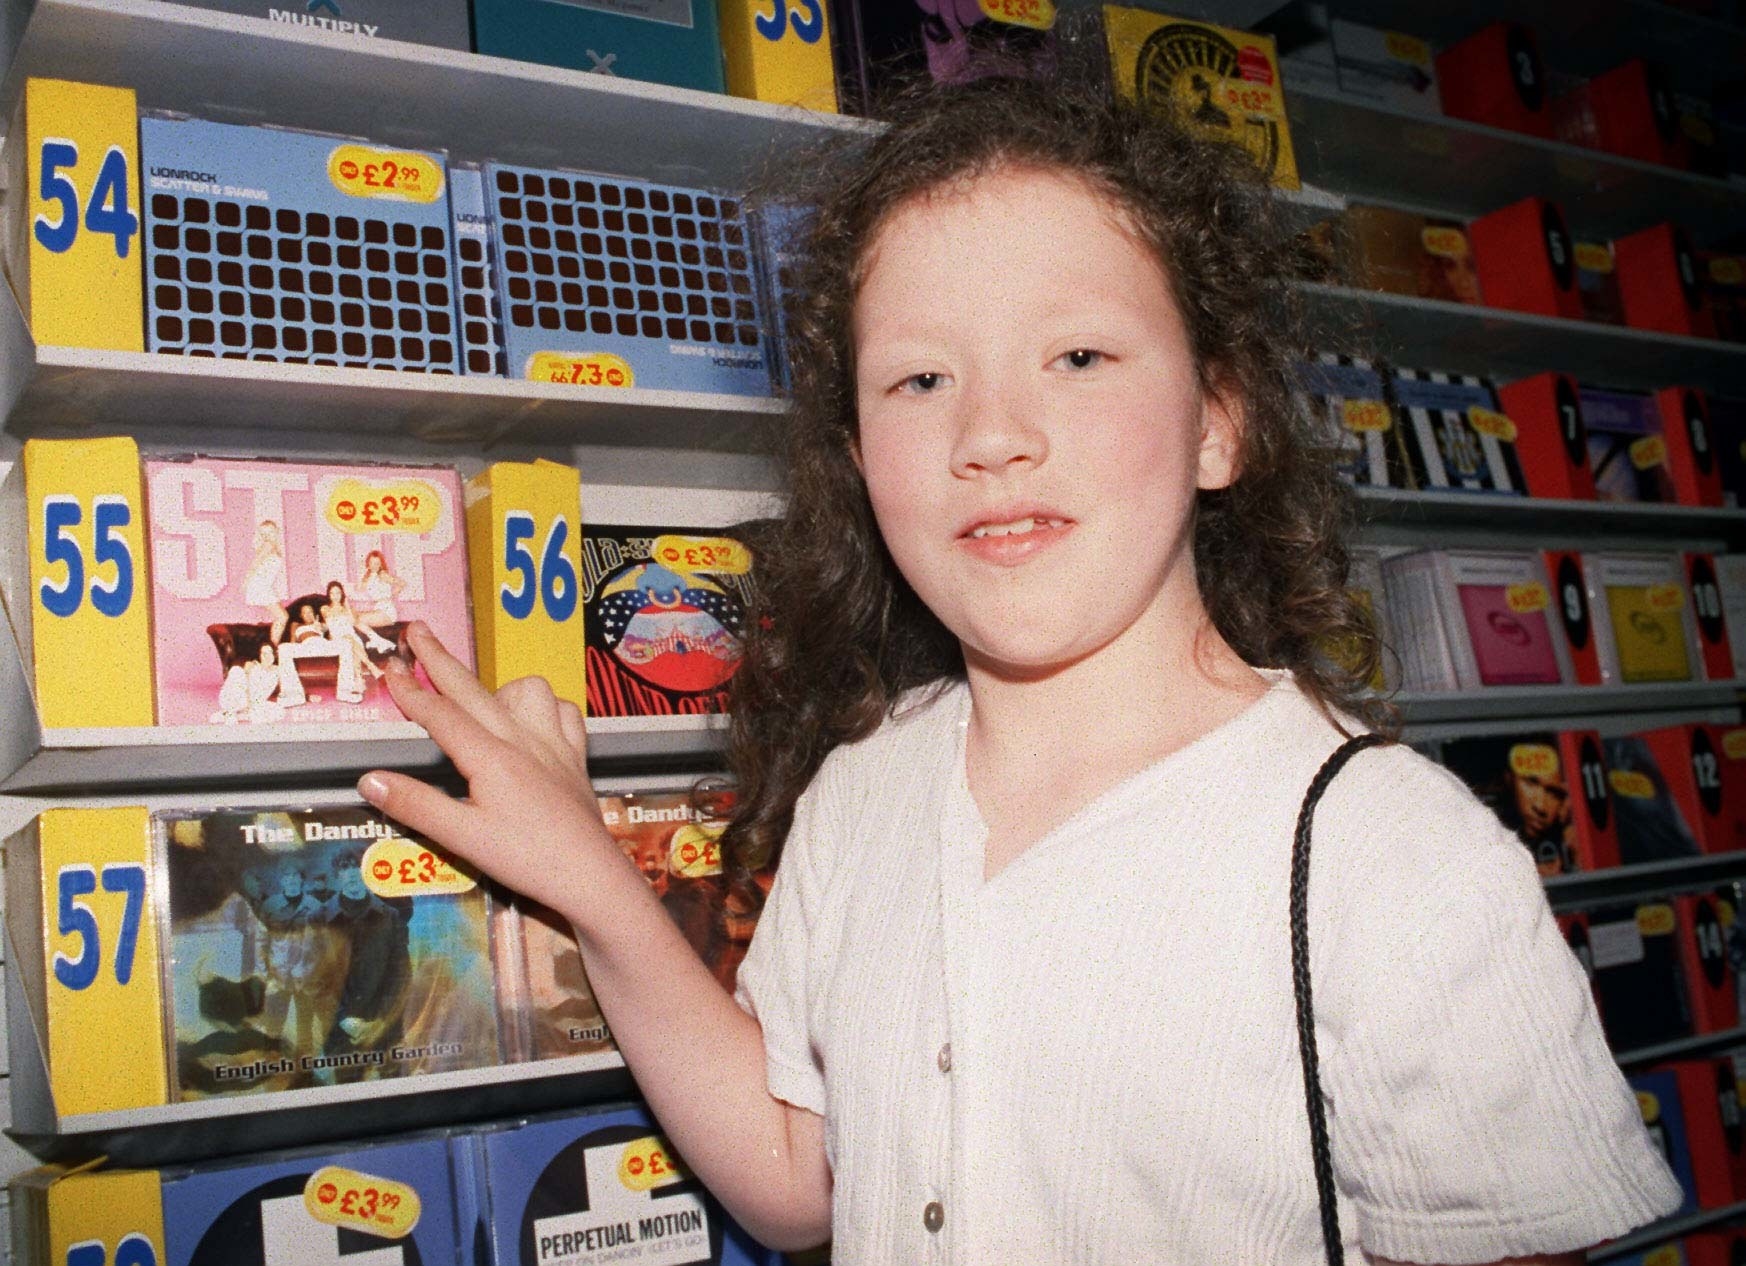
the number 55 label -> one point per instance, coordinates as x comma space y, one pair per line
77, 170
100, 955
524, 546
90, 642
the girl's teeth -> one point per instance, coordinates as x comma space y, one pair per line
1016, 528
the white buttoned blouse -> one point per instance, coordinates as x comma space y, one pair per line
1092, 1058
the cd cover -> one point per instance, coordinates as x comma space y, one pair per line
1522, 779
1347, 399
285, 969
1457, 438
1651, 826
280, 589
1626, 450
664, 611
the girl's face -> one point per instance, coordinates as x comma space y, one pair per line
1032, 427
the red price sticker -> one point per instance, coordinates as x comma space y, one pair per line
1039, 15
359, 507
586, 369
649, 1162
1366, 415
1528, 597
361, 1202
1533, 760
361, 172
695, 851
398, 867
715, 554
1491, 422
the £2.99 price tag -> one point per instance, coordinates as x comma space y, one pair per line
90, 640
391, 175
100, 943
361, 1202
524, 552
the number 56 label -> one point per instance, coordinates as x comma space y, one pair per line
100, 943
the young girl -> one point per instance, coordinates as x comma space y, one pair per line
1038, 694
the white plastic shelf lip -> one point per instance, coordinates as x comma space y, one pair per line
1532, 703
1603, 887
1434, 506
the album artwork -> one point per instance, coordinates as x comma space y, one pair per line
1651, 826
281, 589
1626, 450
664, 613
1512, 647
1457, 438
287, 969
1522, 779
1347, 399
883, 45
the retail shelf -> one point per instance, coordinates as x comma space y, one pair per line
1373, 152
1538, 517
78, 391
250, 70
1667, 1230
1434, 334
1535, 704
1686, 874
1681, 1048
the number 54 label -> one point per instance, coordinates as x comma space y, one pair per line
100, 950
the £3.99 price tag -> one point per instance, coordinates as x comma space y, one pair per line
100, 943
524, 552
405, 505
361, 1202
399, 867
716, 554
647, 1163
90, 641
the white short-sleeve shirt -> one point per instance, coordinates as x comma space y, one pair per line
1092, 1057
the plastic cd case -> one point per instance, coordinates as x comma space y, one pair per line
1624, 430
1652, 826
1522, 778
284, 969
1457, 438
1347, 399
1643, 626
280, 589
274, 245
1470, 618
475, 274
884, 45
602, 275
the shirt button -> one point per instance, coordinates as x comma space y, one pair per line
944, 1060
934, 1216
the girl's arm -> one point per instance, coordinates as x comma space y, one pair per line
531, 821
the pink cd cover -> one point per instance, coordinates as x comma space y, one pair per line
1513, 648
281, 589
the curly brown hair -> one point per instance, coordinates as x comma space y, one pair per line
839, 635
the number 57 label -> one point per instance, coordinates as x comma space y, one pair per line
100, 943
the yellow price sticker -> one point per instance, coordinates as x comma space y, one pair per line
1444, 242
1490, 422
1039, 15
1727, 270
1655, 920
581, 369
1649, 1106
649, 1162
361, 508
1527, 597
394, 175
715, 554
1405, 48
361, 1202
1664, 597
1734, 744
1534, 760
1594, 257
1366, 415
399, 867
1631, 784
695, 852
1649, 452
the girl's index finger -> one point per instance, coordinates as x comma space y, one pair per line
449, 675
465, 738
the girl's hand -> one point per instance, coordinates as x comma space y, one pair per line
530, 819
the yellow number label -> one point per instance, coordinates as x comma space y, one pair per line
587, 369
647, 1163
361, 1202
1527, 597
702, 553
1366, 415
1534, 760
360, 508
361, 172
399, 867
1491, 422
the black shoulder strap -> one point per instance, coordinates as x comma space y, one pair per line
1300, 979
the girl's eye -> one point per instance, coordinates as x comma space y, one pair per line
1083, 358
921, 384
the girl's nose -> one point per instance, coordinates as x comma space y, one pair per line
998, 430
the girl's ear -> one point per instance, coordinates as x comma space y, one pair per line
1223, 420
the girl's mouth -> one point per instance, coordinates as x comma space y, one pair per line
1014, 527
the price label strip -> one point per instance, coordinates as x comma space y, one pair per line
89, 632
524, 529
74, 159
100, 946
